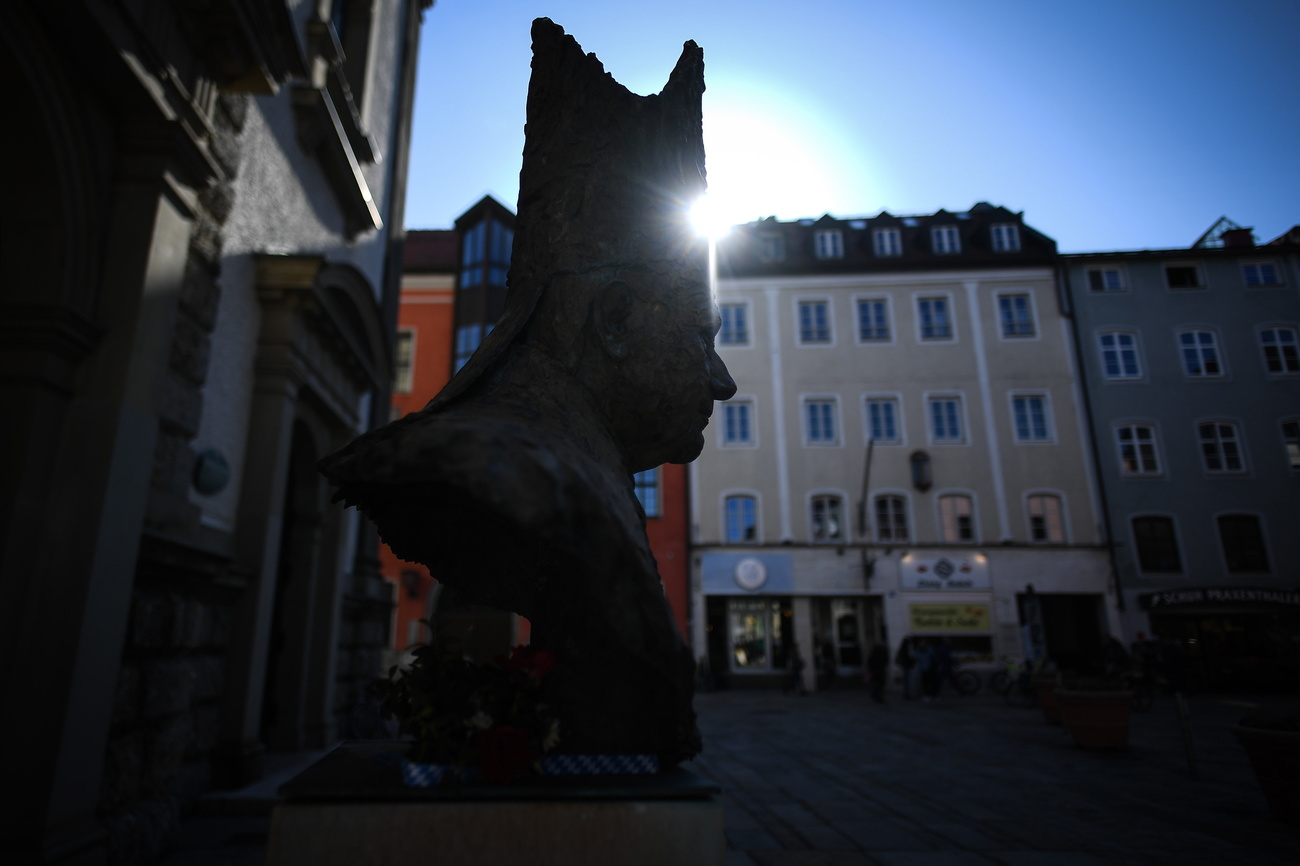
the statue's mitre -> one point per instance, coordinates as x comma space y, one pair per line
607, 181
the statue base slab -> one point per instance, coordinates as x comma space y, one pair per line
352, 807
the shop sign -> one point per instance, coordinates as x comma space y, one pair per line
948, 618
746, 574
945, 572
1219, 595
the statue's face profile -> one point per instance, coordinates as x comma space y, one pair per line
670, 375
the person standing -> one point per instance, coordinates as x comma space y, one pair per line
878, 669
905, 663
795, 683
926, 668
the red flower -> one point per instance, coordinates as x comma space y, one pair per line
504, 754
537, 662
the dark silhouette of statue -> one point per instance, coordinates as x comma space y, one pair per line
514, 485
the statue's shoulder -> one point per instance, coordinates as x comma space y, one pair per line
532, 475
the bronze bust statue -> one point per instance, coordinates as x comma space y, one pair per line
514, 485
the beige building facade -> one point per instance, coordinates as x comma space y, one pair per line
905, 455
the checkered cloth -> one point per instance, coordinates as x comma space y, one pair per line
600, 765
431, 775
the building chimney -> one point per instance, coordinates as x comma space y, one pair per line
1239, 238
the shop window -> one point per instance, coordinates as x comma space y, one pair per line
759, 633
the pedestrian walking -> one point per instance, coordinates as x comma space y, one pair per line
905, 663
795, 683
943, 667
926, 668
878, 670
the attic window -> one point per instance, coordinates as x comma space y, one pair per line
771, 248
829, 244
945, 240
1006, 238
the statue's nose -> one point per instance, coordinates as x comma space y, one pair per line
720, 381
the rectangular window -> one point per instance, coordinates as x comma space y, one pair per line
1183, 277
1261, 274
882, 420
1137, 450
472, 252
1006, 238
873, 321
1157, 545
956, 522
829, 244
772, 248
1046, 520
1281, 353
735, 327
827, 518
945, 420
1030, 416
944, 240
742, 523
467, 339
1221, 447
1200, 351
403, 361
1291, 440
887, 242
814, 322
1243, 542
1016, 316
1119, 357
932, 314
736, 425
891, 519
646, 486
820, 418
1105, 280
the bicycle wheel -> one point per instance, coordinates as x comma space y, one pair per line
1020, 695
968, 682
999, 682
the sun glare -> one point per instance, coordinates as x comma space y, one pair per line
708, 219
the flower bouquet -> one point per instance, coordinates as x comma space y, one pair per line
469, 720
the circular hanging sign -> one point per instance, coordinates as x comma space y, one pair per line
750, 574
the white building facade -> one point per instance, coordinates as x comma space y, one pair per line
905, 455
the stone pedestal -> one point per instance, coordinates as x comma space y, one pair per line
352, 807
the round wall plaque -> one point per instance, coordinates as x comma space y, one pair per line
750, 574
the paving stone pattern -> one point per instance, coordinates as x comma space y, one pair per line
831, 779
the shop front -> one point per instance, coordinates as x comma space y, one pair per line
761, 609
949, 598
1228, 639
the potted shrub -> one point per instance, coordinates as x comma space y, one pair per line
1271, 739
468, 721
1096, 712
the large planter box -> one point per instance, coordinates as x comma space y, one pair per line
1096, 720
1275, 755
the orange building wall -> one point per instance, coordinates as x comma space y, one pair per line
668, 542
426, 307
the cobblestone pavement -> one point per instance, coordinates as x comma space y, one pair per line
831, 779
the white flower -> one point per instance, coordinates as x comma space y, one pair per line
480, 720
552, 738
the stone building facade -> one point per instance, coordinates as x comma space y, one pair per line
201, 261
906, 454
1191, 360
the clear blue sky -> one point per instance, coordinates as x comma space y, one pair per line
1113, 124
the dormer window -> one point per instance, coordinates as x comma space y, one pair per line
886, 242
1006, 238
829, 244
945, 240
771, 248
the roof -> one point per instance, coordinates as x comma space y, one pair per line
430, 251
